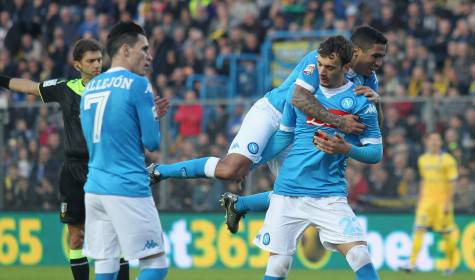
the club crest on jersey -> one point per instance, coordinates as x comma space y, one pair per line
309, 69
266, 239
314, 121
253, 148
347, 103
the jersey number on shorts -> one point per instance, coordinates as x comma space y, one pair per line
101, 99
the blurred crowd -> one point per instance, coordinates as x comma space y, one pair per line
428, 76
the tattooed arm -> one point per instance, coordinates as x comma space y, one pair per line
309, 105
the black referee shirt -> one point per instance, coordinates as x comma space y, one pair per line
68, 95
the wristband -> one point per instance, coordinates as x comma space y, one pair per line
5, 81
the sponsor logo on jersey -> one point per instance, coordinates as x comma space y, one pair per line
50, 82
183, 172
309, 69
266, 238
253, 148
313, 121
347, 103
150, 244
371, 109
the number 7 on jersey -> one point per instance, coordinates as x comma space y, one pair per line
101, 99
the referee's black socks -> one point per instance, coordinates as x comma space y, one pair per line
124, 270
79, 265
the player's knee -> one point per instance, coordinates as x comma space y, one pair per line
232, 168
153, 267
278, 265
103, 266
358, 256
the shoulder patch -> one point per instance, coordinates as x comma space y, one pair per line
149, 88
50, 82
309, 69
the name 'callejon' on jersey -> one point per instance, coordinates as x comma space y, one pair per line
117, 82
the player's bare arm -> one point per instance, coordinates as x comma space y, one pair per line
20, 85
374, 97
309, 105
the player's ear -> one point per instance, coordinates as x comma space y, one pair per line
356, 52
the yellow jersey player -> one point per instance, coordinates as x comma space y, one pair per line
438, 171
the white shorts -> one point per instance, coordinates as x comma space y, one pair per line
121, 226
258, 126
288, 217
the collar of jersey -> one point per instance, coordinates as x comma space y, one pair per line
330, 92
118, 68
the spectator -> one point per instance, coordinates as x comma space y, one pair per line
189, 116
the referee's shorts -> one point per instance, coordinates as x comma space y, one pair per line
72, 178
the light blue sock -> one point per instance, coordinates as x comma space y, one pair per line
188, 169
272, 278
253, 202
153, 274
106, 276
367, 272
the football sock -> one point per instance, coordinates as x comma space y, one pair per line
367, 272
253, 202
124, 270
153, 274
416, 246
79, 265
272, 278
189, 169
450, 239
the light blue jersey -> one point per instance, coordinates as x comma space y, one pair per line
118, 122
277, 96
305, 74
307, 171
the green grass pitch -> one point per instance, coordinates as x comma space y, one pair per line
63, 273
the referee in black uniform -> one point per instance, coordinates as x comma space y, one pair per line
87, 59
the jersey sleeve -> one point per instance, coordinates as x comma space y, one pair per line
451, 167
368, 115
149, 125
289, 116
52, 90
308, 76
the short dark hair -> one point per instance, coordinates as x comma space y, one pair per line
85, 45
122, 33
338, 45
364, 37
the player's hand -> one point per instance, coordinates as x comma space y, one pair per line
351, 125
161, 106
153, 175
369, 93
331, 144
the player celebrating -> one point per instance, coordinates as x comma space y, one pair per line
438, 171
119, 120
87, 59
369, 48
311, 189
263, 119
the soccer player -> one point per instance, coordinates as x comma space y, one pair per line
369, 49
438, 171
310, 189
119, 121
87, 59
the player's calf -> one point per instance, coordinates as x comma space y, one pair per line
232, 167
278, 267
153, 268
359, 259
